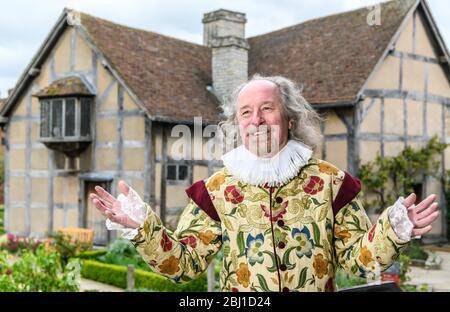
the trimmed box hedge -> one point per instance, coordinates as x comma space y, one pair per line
116, 275
91, 254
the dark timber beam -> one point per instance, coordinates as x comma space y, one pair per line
149, 155
349, 119
408, 95
163, 195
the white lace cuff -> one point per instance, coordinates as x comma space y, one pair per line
133, 206
127, 233
398, 216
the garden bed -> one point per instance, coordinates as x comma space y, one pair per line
116, 275
109, 266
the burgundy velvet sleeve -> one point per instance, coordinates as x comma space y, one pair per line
199, 194
350, 187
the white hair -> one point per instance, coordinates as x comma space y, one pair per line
305, 119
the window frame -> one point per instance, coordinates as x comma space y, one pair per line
177, 171
77, 120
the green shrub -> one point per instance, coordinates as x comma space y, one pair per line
116, 275
388, 178
91, 254
157, 282
405, 264
41, 271
122, 252
345, 280
415, 251
105, 273
66, 247
2, 218
446, 182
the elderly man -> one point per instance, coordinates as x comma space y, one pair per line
285, 220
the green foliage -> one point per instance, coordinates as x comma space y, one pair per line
41, 271
122, 252
91, 254
104, 273
2, 218
415, 251
218, 262
423, 288
391, 177
447, 199
346, 280
116, 275
405, 268
2, 170
66, 247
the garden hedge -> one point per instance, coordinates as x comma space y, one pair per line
116, 275
91, 254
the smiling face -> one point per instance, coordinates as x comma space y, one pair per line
262, 125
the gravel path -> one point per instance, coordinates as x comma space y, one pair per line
90, 285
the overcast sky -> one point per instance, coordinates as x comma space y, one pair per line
24, 24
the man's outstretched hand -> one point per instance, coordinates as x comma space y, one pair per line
110, 207
423, 214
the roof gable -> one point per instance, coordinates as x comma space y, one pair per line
331, 57
168, 75
68, 86
2, 102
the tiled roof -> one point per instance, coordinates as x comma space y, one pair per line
2, 102
331, 57
168, 75
64, 87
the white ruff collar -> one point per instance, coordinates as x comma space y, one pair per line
275, 171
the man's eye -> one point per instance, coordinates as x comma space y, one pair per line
245, 113
267, 108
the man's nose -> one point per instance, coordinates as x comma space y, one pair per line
257, 118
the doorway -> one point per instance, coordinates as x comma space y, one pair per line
92, 218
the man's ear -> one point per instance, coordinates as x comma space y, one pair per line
291, 124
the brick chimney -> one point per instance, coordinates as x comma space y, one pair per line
224, 32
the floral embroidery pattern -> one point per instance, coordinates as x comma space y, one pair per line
313, 185
305, 244
272, 238
169, 266
166, 243
320, 265
372, 232
365, 256
254, 249
328, 168
190, 240
206, 237
278, 210
233, 194
243, 275
342, 233
215, 182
